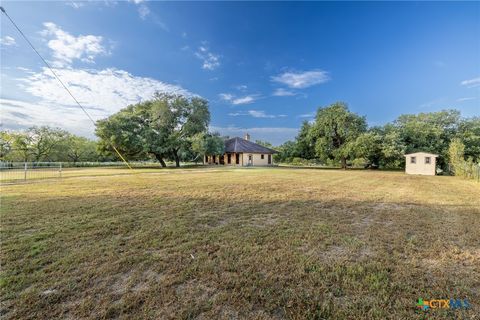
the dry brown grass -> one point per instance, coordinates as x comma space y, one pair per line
239, 244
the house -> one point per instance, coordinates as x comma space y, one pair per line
423, 163
242, 152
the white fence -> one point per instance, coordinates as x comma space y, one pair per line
11, 172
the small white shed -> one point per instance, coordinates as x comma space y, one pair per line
423, 163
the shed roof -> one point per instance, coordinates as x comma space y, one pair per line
427, 153
241, 145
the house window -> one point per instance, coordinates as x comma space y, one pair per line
262, 156
427, 160
413, 159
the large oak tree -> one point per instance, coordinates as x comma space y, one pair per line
163, 127
334, 129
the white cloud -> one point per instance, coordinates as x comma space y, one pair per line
260, 114
239, 100
101, 92
280, 92
307, 115
433, 103
226, 96
143, 11
8, 41
300, 80
75, 5
274, 135
106, 90
18, 114
241, 87
210, 61
466, 99
67, 47
245, 99
256, 114
471, 83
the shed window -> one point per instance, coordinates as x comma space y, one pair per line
262, 156
427, 160
413, 159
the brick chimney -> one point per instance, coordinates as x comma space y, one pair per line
246, 137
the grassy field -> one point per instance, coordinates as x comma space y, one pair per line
239, 244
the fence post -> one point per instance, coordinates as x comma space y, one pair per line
60, 170
25, 172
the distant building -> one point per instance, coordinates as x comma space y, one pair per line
423, 163
242, 152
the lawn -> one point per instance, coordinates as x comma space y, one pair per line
239, 244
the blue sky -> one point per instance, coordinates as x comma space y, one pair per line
264, 66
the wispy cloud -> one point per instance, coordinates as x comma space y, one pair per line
239, 100
471, 83
466, 99
432, 103
281, 92
7, 41
226, 96
75, 4
210, 60
256, 114
67, 48
302, 79
245, 100
307, 115
17, 114
241, 87
143, 11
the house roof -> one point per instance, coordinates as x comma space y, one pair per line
241, 145
427, 153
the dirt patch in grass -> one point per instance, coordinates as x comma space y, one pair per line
239, 244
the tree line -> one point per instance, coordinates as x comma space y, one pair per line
340, 137
46, 144
175, 128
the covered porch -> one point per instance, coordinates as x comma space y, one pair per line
228, 158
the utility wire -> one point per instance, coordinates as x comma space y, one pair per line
59, 80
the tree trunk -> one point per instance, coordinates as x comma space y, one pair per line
160, 159
344, 163
177, 159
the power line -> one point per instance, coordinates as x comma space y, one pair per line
58, 78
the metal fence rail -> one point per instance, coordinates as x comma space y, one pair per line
11, 172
